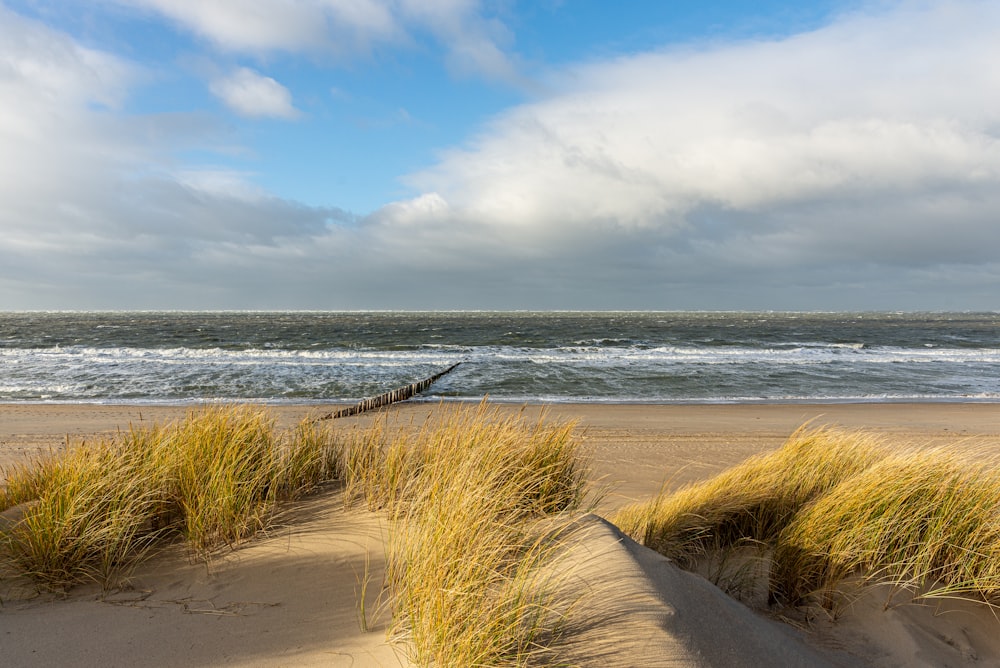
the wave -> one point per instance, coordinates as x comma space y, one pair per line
796, 354
594, 372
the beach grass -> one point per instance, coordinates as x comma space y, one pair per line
84, 516
926, 521
834, 506
214, 479
476, 503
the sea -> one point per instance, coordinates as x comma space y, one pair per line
549, 357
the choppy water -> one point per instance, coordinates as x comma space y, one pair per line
591, 357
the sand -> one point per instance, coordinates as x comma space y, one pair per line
291, 598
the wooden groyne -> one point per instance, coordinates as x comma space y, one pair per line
382, 400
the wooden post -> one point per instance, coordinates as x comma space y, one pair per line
388, 398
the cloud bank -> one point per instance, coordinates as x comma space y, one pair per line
855, 166
856, 160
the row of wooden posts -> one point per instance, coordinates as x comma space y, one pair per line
395, 396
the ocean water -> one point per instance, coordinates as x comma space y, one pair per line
655, 357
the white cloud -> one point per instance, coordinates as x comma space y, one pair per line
875, 139
251, 94
287, 25
93, 210
475, 43
52, 67
856, 166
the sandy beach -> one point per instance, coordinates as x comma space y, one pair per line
291, 598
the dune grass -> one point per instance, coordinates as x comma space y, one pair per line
753, 501
476, 502
85, 517
472, 498
927, 521
834, 504
214, 478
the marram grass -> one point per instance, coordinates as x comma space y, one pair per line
214, 478
928, 521
86, 516
753, 501
833, 504
478, 504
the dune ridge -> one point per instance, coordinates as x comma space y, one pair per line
290, 599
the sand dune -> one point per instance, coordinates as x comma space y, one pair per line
291, 598
287, 600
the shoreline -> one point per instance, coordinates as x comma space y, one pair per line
638, 448
435, 400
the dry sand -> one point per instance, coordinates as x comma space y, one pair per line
291, 599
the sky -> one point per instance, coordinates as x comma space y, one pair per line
500, 154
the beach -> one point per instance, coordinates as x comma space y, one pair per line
637, 448
290, 598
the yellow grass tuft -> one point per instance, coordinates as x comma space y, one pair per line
753, 501
928, 521
214, 478
832, 504
477, 502
85, 517
468, 496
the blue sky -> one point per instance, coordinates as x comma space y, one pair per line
340, 154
